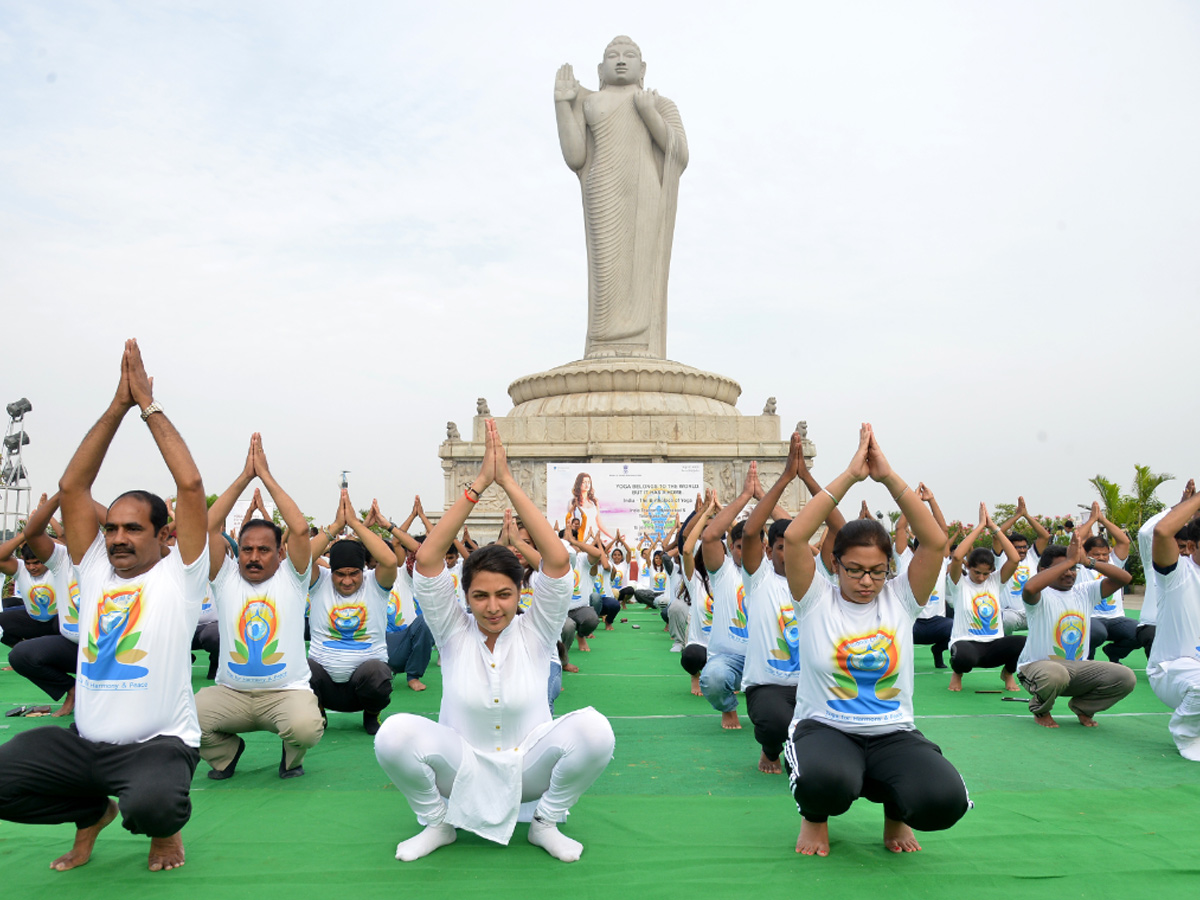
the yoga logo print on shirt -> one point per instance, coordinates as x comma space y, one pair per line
349, 622
41, 602
112, 649
526, 597
706, 619
659, 581
866, 671
737, 625
985, 614
69, 618
1017, 583
255, 649
575, 590
618, 580
395, 613
785, 656
1068, 636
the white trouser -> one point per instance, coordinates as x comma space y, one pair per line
423, 758
1177, 684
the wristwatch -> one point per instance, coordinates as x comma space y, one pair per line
1089, 563
151, 410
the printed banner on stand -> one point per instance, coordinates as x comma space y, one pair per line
639, 499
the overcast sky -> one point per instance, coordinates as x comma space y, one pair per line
976, 225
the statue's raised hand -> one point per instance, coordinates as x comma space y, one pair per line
566, 87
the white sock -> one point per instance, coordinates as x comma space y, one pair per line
547, 836
426, 842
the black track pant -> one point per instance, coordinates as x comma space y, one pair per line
19, 626
49, 662
51, 775
369, 687
771, 707
935, 630
905, 771
1122, 634
1005, 651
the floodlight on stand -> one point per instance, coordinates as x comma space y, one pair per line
20, 439
6, 473
18, 408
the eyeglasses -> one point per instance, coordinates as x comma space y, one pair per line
855, 573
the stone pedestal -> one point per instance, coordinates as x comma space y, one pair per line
621, 410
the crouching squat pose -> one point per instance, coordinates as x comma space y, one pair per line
853, 733
135, 732
495, 745
1054, 662
348, 655
262, 681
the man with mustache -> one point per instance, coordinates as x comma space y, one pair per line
262, 680
136, 734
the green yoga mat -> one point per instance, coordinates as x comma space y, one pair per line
680, 812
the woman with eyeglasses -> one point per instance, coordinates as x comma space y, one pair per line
853, 734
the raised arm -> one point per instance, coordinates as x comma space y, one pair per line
713, 546
965, 546
327, 535
386, 566
799, 562
398, 533
1166, 550
39, 542
927, 561
191, 504
1031, 593
1120, 540
926, 496
1041, 537
999, 539
220, 510
693, 536
299, 546
568, 111
752, 546
80, 519
900, 541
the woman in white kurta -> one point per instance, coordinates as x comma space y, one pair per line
495, 745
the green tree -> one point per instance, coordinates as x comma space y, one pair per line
1130, 511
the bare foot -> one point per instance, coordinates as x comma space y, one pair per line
729, 720
696, 692
955, 683
85, 840
166, 853
814, 838
415, 684
583, 645
769, 767
1010, 683
898, 837
608, 626
1087, 721
68, 706
1046, 721
570, 667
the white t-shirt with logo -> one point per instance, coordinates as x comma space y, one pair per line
700, 618
857, 672
1109, 607
43, 594
68, 610
402, 606
773, 651
1178, 634
1012, 598
262, 629
345, 632
581, 580
619, 577
936, 604
977, 608
1060, 623
134, 666
730, 628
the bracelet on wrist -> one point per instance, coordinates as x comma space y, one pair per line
470, 499
830, 495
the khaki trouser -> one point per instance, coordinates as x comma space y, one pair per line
225, 713
1092, 686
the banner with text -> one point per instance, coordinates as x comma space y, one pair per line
635, 498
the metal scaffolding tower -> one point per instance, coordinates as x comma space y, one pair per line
14, 478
